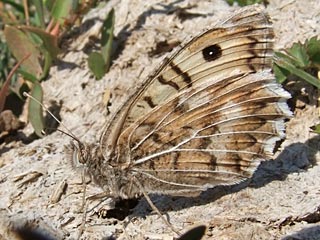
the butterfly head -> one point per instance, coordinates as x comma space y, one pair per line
84, 157
81, 154
89, 159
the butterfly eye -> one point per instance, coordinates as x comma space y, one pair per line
212, 52
83, 154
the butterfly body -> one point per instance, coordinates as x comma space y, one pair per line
206, 117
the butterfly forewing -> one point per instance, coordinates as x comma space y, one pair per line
213, 53
208, 116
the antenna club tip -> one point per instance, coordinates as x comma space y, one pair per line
25, 94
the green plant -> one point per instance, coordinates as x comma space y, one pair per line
35, 30
99, 62
298, 60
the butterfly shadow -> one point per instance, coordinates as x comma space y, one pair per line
295, 158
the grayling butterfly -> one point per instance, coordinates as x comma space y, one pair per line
206, 117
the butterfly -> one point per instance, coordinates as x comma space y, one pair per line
206, 117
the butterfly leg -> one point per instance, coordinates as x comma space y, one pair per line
84, 205
154, 208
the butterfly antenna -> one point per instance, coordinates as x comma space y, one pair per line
68, 132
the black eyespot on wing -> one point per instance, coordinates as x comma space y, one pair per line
212, 52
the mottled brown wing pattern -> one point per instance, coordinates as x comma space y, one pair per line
208, 116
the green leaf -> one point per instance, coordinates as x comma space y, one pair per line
47, 65
97, 65
288, 66
49, 41
280, 73
27, 76
49, 4
63, 10
17, 6
316, 128
300, 55
5, 87
313, 49
35, 110
39, 12
107, 38
21, 45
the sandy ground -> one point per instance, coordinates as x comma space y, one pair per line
281, 201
